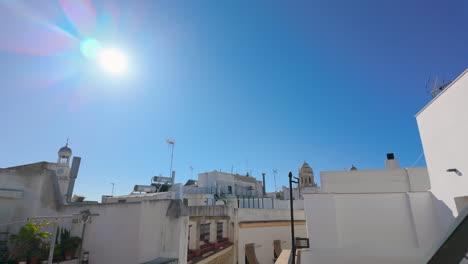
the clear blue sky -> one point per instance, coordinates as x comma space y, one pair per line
256, 85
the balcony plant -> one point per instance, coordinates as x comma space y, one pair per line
68, 244
44, 253
27, 242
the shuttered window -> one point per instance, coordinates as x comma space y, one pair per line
205, 232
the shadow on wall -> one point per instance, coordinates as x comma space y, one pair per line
445, 215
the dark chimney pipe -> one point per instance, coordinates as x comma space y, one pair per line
264, 188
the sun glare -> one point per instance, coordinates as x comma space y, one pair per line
112, 60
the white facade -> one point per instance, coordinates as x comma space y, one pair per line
127, 229
371, 216
230, 184
132, 233
28, 190
443, 127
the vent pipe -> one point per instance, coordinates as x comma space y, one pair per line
173, 177
264, 188
391, 162
73, 175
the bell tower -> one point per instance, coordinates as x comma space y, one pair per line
306, 176
62, 168
64, 155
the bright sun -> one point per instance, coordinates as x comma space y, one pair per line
112, 60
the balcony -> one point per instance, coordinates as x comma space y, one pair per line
221, 249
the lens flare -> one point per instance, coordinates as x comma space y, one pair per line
90, 48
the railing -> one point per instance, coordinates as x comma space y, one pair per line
255, 202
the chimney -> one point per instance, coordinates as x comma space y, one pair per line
391, 162
264, 188
173, 177
73, 175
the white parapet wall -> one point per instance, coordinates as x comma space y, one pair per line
383, 226
379, 180
262, 227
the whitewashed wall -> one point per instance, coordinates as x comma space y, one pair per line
370, 226
26, 191
443, 126
130, 233
263, 237
379, 180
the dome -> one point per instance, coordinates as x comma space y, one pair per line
305, 170
65, 149
353, 168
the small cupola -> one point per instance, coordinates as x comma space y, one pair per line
64, 155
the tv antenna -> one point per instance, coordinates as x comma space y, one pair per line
113, 184
436, 88
275, 171
191, 172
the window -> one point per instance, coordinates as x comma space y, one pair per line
229, 189
310, 180
205, 232
219, 231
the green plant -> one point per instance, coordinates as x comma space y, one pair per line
28, 241
66, 244
44, 251
71, 244
58, 253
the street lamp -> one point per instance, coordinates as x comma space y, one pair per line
293, 242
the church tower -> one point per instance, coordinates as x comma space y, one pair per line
62, 168
306, 176
64, 155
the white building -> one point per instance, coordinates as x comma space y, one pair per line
371, 216
38, 188
230, 184
398, 215
443, 127
129, 231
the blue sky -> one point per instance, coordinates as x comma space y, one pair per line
248, 85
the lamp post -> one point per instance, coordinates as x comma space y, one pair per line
293, 240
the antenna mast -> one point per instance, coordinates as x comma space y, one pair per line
438, 88
275, 171
172, 144
113, 184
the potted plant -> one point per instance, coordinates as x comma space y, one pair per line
27, 242
70, 245
34, 255
44, 255
58, 253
